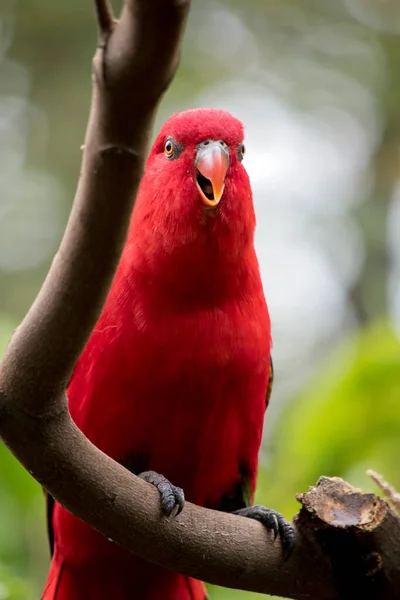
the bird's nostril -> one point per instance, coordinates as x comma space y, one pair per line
206, 142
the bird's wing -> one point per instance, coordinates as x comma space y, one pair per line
270, 383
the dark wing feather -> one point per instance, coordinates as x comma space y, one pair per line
270, 383
49, 513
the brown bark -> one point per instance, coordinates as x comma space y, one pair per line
339, 531
359, 535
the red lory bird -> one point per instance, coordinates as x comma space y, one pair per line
176, 376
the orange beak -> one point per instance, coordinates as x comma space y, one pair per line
212, 162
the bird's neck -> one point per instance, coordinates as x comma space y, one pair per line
205, 271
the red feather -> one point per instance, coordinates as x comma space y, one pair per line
175, 374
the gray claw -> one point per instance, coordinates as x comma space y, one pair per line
171, 497
275, 526
275, 521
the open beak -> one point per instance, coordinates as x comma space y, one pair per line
212, 162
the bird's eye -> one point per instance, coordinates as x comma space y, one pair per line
241, 151
172, 148
169, 148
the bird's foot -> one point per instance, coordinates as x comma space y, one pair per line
171, 497
272, 520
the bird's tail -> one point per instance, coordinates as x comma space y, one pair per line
67, 582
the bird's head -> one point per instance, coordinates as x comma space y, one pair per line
194, 171
195, 195
202, 150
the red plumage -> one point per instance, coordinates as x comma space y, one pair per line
174, 376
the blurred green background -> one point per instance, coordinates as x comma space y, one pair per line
317, 85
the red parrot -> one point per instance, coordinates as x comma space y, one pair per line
175, 378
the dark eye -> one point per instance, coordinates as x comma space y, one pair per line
169, 148
241, 151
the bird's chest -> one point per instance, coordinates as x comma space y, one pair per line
203, 352
205, 396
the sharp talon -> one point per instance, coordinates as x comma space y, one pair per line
180, 500
171, 497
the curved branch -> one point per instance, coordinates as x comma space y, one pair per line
44, 349
34, 418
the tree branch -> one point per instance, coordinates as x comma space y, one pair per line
391, 494
34, 419
105, 18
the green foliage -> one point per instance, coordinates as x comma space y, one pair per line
12, 588
345, 421
217, 593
